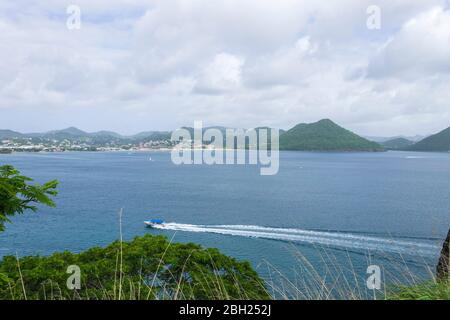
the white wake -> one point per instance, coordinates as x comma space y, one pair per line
327, 238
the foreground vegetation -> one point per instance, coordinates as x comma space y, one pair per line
147, 267
18, 194
150, 267
426, 291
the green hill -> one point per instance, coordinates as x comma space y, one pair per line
397, 144
7, 134
324, 135
69, 133
105, 133
437, 142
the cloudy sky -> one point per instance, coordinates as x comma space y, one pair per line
156, 65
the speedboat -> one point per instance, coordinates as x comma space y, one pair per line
154, 223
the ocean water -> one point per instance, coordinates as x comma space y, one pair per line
360, 206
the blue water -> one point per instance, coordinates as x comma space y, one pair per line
357, 203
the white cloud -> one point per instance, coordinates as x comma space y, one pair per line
286, 66
222, 74
139, 65
420, 48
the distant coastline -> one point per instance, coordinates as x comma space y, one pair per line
321, 136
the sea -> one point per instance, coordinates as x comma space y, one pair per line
327, 215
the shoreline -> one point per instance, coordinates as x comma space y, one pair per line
223, 150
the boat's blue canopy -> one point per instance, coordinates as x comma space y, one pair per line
157, 221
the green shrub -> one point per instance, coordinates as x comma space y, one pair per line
425, 291
147, 267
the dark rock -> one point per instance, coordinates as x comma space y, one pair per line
442, 269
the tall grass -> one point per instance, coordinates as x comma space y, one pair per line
336, 278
